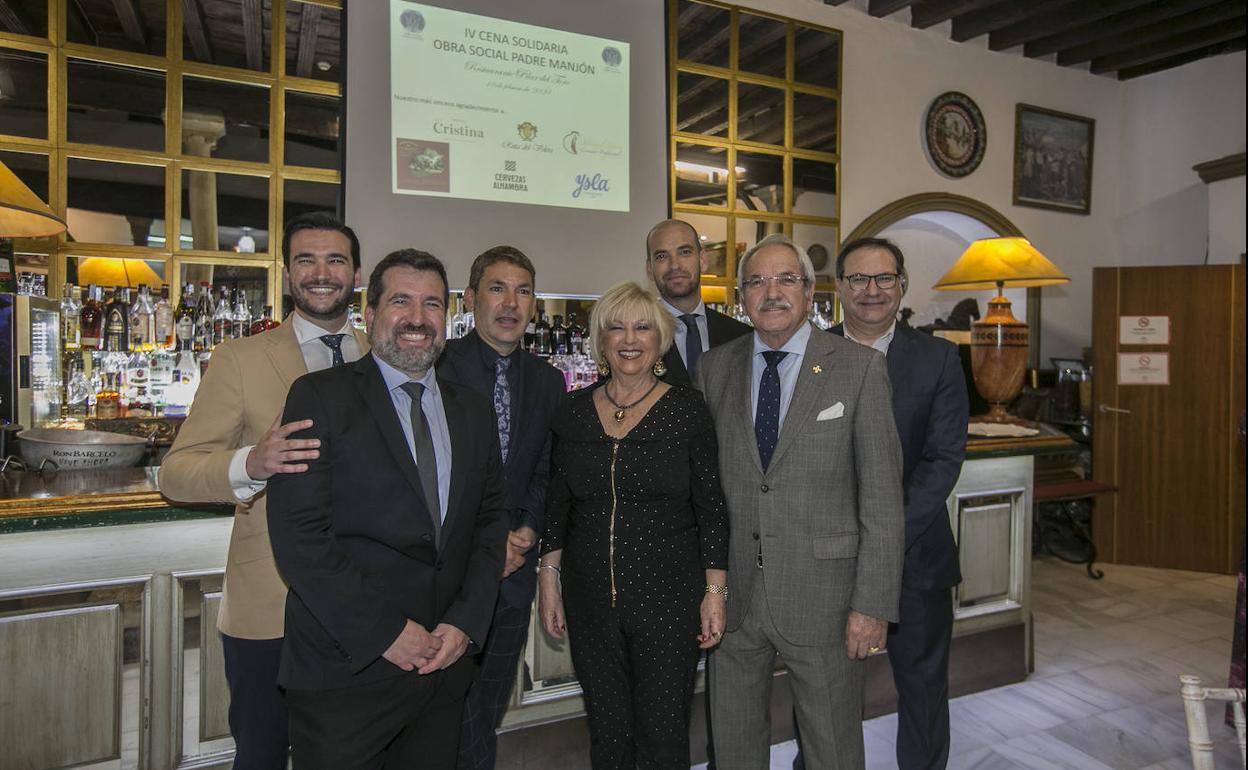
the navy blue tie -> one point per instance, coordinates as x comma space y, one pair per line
693, 341
334, 343
767, 414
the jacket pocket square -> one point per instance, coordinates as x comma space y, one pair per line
832, 412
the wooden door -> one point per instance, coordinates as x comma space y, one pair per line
1173, 450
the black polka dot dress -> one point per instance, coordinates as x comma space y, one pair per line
639, 520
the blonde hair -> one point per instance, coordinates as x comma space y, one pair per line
629, 302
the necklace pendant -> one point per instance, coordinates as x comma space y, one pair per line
619, 415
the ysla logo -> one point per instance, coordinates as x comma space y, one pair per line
527, 131
592, 186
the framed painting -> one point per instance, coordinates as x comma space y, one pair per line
1053, 159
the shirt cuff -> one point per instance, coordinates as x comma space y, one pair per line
522, 518
244, 486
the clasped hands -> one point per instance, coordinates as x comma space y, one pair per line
426, 651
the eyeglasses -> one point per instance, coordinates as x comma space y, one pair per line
860, 281
786, 280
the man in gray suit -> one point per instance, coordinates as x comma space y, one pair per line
813, 483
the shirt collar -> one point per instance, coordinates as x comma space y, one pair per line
795, 346
397, 379
677, 312
884, 339
306, 331
490, 356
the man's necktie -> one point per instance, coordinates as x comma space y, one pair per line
502, 404
426, 458
334, 343
767, 415
693, 341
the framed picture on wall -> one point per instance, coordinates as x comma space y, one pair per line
1053, 159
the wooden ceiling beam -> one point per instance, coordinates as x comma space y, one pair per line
987, 20
1059, 20
131, 24
1122, 22
309, 23
1124, 41
880, 8
196, 32
1126, 73
253, 33
79, 24
11, 19
928, 13
1212, 35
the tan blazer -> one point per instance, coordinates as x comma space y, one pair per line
241, 395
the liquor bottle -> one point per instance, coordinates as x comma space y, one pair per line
543, 336
91, 320
71, 325
576, 337
166, 337
108, 398
184, 319
530, 336
222, 318
161, 377
264, 322
143, 321
203, 319
136, 384
457, 326
77, 387
558, 337
117, 321
184, 381
242, 315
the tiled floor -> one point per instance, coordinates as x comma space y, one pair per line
1104, 695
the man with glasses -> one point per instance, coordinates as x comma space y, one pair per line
813, 483
930, 408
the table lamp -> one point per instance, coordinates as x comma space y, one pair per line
22, 214
999, 341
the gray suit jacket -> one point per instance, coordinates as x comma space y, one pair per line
827, 516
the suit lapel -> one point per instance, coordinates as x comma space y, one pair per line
457, 426
285, 355
805, 392
373, 392
676, 372
739, 387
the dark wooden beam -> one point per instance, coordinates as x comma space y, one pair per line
879, 8
131, 24
1059, 20
712, 41
1227, 167
928, 13
982, 22
1212, 35
1126, 73
1125, 41
253, 34
1122, 22
12, 20
79, 24
196, 32
309, 22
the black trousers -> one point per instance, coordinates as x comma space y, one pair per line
918, 652
487, 699
257, 710
406, 721
636, 666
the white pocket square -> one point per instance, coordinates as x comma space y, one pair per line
832, 412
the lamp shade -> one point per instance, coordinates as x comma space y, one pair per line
115, 271
22, 214
988, 262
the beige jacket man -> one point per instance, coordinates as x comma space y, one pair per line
242, 394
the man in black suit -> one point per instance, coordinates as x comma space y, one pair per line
392, 541
675, 262
931, 411
525, 391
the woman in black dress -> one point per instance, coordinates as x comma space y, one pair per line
636, 544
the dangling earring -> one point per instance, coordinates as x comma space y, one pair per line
604, 369
659, 368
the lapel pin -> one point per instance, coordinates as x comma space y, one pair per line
817, 369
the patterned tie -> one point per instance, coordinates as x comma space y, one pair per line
426, 458
767, 416
502, 404
693, 341
334, 343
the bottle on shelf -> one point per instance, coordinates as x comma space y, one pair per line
558, 337
242, 315
117, 321
143, 321
183, 382
542, 331
456, 326
71, 326
264, 322
530, 335
222, 318
184, 319
576, 337
78, 389
136, 384
203, 319
166, 337
91, 320
108, 405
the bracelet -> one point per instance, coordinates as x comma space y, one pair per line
550, 566
711, 588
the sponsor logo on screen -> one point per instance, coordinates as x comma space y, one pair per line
458, 128
508, 179
612, 57
412, 21
422, 165
591, 186
577, 143
527, 131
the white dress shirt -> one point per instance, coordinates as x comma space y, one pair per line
435, 417
881, 343
317, 356
682, 331
788, 369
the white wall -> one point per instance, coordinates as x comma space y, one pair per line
1226, 221
1171, 121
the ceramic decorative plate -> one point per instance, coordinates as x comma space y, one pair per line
955, 134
